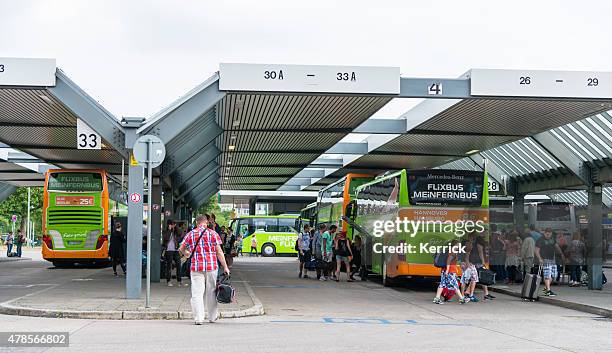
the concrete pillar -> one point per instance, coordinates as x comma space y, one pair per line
595, 238
134, 233
518, 211
155, 223
168, 206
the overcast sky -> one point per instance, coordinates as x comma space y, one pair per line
135, 57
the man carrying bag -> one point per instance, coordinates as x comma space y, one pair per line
203, 246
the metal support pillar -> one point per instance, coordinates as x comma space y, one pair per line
594, 237
518, 212
168, 206
155, 223
252, 203
134, 233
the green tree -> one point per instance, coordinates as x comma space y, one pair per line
212, 206
17, 204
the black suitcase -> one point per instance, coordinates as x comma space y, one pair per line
486, 276
531, 286
311, 265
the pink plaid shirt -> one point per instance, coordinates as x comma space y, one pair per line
205, 255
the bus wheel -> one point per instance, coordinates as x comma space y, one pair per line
268, 250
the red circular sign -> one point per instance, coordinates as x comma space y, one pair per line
135, 197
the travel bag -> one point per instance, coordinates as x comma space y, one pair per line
486, 276
531, 286
225, 293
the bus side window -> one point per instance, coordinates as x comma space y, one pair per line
287, 226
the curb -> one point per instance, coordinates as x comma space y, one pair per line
586, 308
11, 259
7, 309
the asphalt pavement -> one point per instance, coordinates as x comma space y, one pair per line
305, 315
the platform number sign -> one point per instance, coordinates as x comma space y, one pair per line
493, 185
87, 138
435, 89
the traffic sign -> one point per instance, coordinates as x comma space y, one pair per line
87, 138
135, 197
149, 149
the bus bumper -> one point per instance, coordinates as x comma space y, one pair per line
50, 254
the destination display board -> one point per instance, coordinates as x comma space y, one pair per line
309, 78
541, 83
27, 72
77, 182
445, 187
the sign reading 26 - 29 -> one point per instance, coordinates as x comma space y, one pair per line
87, 138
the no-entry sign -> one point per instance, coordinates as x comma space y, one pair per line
135, 197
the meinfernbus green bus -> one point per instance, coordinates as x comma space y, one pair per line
448, 203
75, 216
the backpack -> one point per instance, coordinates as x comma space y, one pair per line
440, 260
225, 293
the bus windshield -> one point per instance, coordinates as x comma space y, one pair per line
75, 182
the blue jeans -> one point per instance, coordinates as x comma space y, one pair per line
18, 250
9, 248
575, 273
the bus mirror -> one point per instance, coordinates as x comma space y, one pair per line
349, 211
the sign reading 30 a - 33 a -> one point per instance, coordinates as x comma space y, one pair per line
27, 72
309, 78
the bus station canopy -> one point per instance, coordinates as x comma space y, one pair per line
281, 127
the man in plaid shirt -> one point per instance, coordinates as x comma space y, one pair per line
204, 269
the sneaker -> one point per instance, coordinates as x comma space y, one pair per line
545, 292
489, 297
183, 284
300, 274
463, 301
198, 322
437, 300
473, 299
551, 294
305, 276
322, 279
116, 274
170, 284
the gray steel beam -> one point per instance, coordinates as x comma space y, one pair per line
134, 234
411, 87
202, 174
337, 162
554, 183
349, 148
90, 111
188, 152
518, 212
208, 179
595, 237
176, 121
6, 190
203, 159
155, 224
201, 194
311, 173
564, 155
382, 126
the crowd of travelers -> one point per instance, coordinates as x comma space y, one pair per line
326, 251
512, 255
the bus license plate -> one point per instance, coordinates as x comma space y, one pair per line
73, 242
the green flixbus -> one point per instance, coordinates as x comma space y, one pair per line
274, 234
454, 202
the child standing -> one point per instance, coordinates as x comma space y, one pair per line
448, 277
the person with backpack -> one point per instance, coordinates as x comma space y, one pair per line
344, 254
448, 275
356, 261
303, 247
327, 247
203, 247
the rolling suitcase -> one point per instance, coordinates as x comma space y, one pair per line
531, 286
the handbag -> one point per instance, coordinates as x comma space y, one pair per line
225, 293
486, 276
